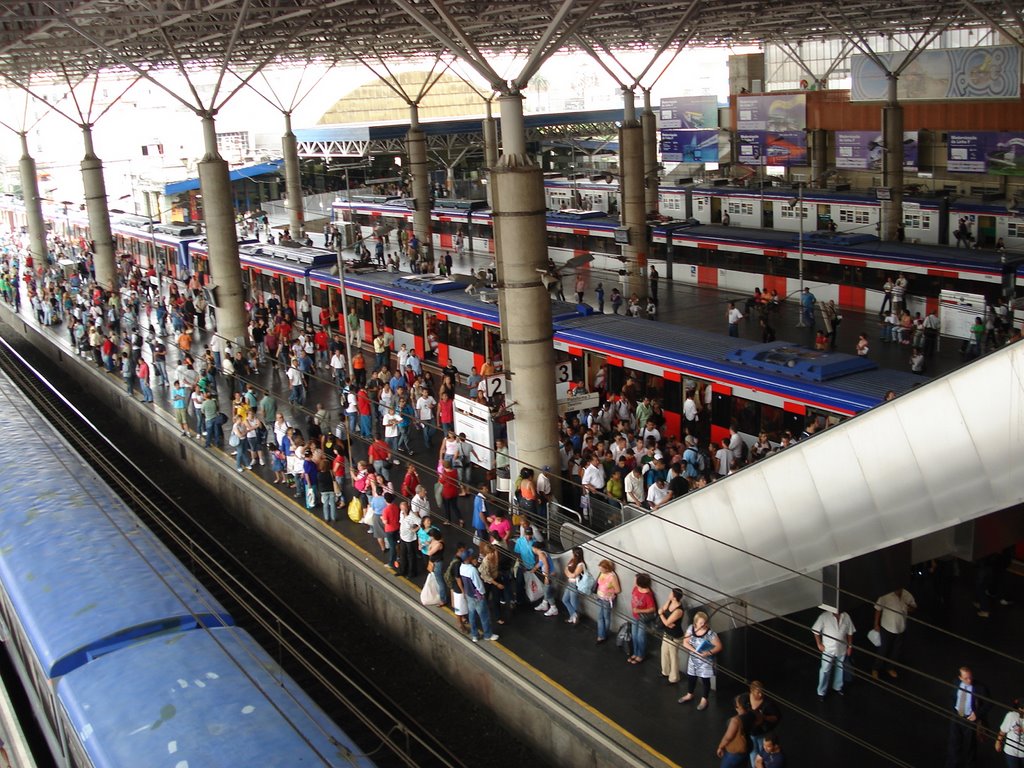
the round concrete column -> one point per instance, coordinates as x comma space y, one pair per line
892, 137
219, 217
523, 302
33, 205
416, 142
99, 216
819, 154
631, 148
649, 123
490, 132
292, 180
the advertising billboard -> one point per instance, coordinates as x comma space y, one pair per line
995, 152
678, 146
772, 147
688, 112
986, 72
865, 150
785, 112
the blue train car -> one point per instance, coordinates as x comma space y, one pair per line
760, 387
124, 654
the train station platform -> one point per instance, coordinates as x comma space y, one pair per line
566, 678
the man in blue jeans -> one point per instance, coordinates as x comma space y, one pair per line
473, 589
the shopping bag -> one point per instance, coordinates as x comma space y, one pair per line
355, 510
534, 587
429, 595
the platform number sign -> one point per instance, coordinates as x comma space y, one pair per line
563, 373
495, 385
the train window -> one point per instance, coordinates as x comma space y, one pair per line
616, 379
721, 410
406, 321
437, 334
290, 292
604, 245
480, 231
793, 423
823, 418
672, 396
747, 415
654, 386
464, 337
772, 421
319, 297
364, 309
494, 347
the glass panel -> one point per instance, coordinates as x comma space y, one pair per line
747, 415
772, 421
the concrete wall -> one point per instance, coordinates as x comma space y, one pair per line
556, 724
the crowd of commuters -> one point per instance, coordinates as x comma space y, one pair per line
616, 454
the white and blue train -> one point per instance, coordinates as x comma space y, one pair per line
127, 659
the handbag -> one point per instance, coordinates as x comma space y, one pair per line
585, 583
429, 595
534, 587
310, 497
234, 440
355, 510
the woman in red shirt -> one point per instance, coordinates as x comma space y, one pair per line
449, 480
644, 612
390, 519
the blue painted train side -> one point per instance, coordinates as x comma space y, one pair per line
123, 652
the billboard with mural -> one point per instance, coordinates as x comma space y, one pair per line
784, 112
772, 147
865, 150
995, 152
987, 72
678, 146
688, 112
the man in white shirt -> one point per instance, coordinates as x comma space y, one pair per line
833, 633
593, 475
634, 486
733, 317
690, 412
891, 622
658, 494
425, 412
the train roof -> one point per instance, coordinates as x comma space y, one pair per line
846, 244
200, 698
440, 294
841, 380
303, 256
69, 544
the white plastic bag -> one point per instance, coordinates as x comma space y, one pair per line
429, 595
534, 587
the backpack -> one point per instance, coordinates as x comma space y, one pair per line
696, 464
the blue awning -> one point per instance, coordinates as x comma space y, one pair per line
238, 174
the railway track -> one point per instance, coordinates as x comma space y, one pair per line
385, 731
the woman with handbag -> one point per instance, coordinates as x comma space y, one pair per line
671, 617
608, 588
644, 613
574, 571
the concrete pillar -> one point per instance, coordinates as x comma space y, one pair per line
649, 124
631, 148
490, 131
523, 303
416, 141
819, 155
292, 180
33, 205
892, 137
219, 219
99, 217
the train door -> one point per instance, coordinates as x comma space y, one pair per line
406, 330
290, 295
319, 301
824, 217
986, 231
768, 214
492, 348
716, 210
435, 338
698, 389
